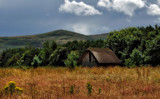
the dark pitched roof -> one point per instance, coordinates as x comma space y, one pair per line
104, 55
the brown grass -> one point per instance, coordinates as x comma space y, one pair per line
55, 83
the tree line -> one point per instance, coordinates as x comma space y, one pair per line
51, 54
134, 46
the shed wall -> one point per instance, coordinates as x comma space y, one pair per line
89, 60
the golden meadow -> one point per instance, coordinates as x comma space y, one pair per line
64, 83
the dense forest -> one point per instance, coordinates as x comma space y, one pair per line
135, 46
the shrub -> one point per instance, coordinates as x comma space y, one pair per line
129, 62
72, 58
89, 88
136, 58
99, 91
71, 89
36, 61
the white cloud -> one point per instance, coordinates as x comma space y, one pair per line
153, 9
89, 29
81, 28
128, 7
158, 1
78, 8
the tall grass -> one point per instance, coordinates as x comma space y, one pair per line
111, 82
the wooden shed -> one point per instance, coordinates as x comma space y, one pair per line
98, 57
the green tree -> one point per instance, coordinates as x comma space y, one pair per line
53, 45
123, 42
13, 60
27, 57
58, 56
36, 61
136, 58
46, 51
153, 50
72, 58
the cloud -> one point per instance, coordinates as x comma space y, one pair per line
89, 29
78, 8
128, 7
154, 10
158, 1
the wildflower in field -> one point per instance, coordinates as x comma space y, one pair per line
19, 90
11, 88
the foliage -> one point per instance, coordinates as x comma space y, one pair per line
81, 46
46, 51
58, 56
72, 59
154, 51
99, 91
129, 62
89, 88
27, 57
71, 89
36, 61
136, 58
49, 54
13, 60
136, 46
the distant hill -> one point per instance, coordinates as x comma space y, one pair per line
60, 36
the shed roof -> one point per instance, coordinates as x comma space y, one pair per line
104, 55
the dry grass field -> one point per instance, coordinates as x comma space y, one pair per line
63, 83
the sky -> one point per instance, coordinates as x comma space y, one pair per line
28, 17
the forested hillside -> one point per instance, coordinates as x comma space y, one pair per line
134, 46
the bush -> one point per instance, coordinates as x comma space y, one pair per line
72, 58
71, 89
99, 91
129, 63
36, 61
136, 59
89, 88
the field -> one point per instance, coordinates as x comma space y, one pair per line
63, 83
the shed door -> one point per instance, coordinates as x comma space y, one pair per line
92, 60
